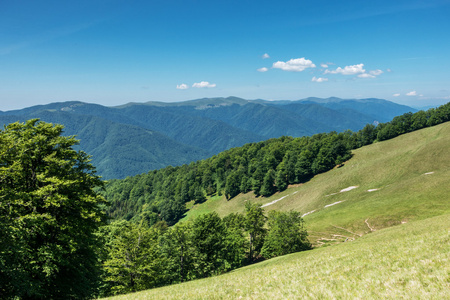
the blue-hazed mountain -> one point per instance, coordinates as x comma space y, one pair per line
138, 137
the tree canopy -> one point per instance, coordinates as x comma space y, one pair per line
49, 212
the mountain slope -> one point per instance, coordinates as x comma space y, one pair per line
118, 150
192, 130
402, 262
394, 181
379, 109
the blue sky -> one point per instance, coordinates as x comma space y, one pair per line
115, 52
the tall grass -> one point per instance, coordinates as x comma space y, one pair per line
398, 242
409, 261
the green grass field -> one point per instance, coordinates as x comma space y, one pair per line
397, 235
409, 261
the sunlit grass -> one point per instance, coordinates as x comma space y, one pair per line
398, 242
395, 170
409, 261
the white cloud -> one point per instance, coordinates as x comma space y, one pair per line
412, 93
204, 84
320, 79
294, 65
264, 69
324, 65
348, 70
371, 74
376, 72
265, 55
366, 75
182, 86
396, 95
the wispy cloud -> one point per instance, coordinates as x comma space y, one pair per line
182, 86
348, 70
320, 79
366, 75
265, 55
204, 84
412, 93
376, 72
396, 95
264, 69
44, 37
294, 65
324, 65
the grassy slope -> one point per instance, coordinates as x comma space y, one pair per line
396, 168
406, 261
409, 261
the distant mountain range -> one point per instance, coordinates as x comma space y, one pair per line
138, 137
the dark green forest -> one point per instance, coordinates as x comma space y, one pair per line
139, 137
264, 168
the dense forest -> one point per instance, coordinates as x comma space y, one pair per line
264, 168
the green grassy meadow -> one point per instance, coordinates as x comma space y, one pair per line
390, 242
409, 261
395, 171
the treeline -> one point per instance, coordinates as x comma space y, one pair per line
139, 257
265, 168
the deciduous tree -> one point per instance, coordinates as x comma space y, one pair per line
49, 212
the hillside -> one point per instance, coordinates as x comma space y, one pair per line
402, 262
193, 130
384, 216
118, 149
398, 180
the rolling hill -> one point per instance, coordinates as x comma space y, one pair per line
381, 223
382, 185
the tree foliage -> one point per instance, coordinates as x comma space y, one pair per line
49, 213
141, 257
286, 234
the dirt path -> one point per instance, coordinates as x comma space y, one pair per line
370, 227
360, 235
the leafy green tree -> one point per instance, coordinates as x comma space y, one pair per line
254, 225
232, 186
208, 239
268, 187
172, 210
134, 259
49, 213
286, 234
177, 253
281, 179
236, 241
303, 165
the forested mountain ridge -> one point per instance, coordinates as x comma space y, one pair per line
137, 137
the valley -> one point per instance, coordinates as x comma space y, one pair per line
134, 138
